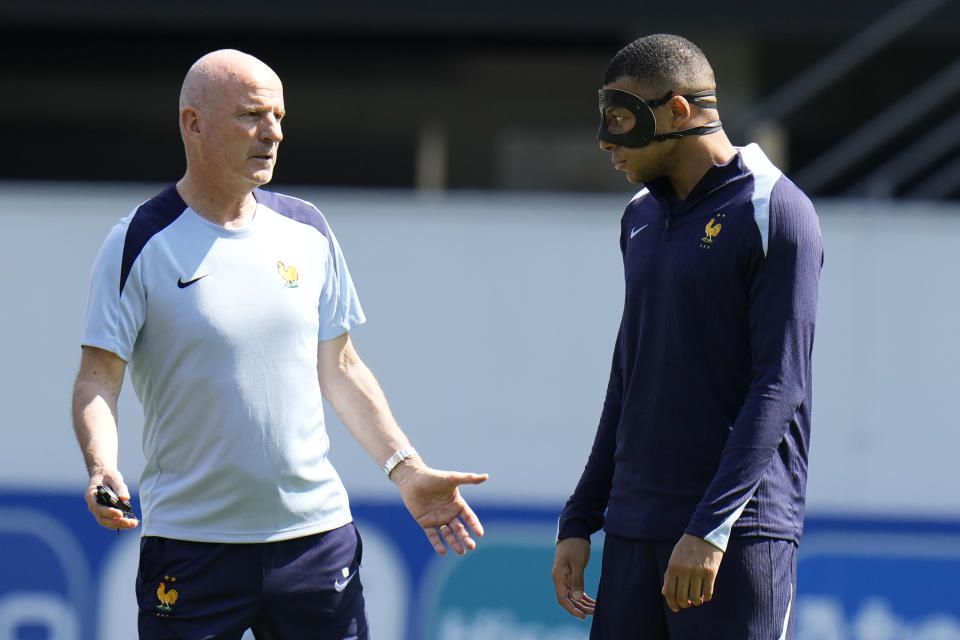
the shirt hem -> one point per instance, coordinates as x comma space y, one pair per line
340, 329
106, 345
190, 535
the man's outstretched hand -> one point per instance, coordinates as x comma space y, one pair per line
433, 499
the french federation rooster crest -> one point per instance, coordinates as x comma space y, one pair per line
712, 231
289, 274
167, 597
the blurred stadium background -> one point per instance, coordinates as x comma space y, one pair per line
452, 148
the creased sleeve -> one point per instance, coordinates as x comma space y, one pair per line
782, 312
115, 310
583, 514
339, 305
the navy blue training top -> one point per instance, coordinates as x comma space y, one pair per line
706, 424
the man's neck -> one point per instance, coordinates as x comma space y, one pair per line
230, 208
700, 155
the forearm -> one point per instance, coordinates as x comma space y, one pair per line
432, 497
773, 411
354, 393
583, 513
95, 396
95, 424
743, 464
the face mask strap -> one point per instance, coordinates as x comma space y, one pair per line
653, 104
695, 98
704, 130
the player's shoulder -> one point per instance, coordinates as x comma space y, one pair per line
157, 212
793, 219
641, 200
148, 218
293, 208
639, 196
788, 198
283, 203
772, 189
771, 184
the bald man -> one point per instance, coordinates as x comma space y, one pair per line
233, 307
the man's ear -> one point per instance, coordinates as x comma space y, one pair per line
680, 111
190, 121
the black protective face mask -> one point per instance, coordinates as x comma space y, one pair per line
643, 130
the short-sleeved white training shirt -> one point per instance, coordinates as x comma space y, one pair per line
220, 328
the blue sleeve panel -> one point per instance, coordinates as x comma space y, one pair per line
766, 452
706, 424
584, 511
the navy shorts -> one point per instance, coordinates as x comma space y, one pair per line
301, 588
752, 599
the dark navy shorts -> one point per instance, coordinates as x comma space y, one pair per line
301, 588
752, 599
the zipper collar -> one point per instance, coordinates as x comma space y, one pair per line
716, 177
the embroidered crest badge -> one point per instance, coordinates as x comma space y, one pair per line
167, 597
712, 230
289, 275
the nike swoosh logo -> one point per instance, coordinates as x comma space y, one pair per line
184, 285
638, 230
340, 586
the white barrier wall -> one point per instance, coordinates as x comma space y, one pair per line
491, 325
491, 322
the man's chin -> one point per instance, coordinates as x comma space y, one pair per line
261, 178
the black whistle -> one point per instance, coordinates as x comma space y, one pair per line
107, 497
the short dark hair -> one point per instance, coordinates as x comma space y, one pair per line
664, 61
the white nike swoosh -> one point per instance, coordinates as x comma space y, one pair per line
340, 586
638, 230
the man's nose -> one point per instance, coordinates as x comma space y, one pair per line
272, 131
607, 146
